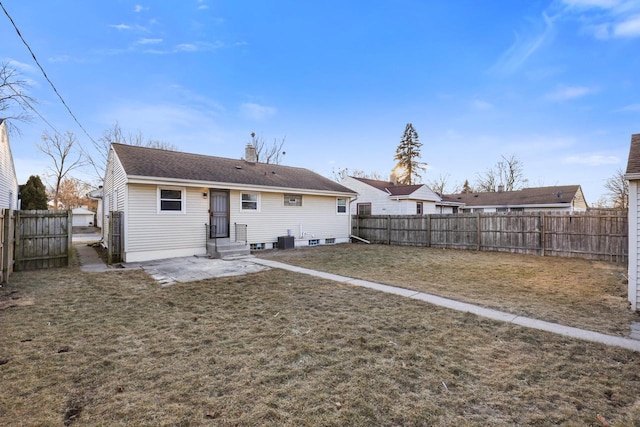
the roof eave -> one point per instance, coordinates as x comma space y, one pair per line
132, 179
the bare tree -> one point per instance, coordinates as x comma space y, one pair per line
13, 93
441, 184
618, 190
508, 173
117, 135
66, 155
73, 193
265, 153
342, 173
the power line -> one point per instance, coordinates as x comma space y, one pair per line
44, 73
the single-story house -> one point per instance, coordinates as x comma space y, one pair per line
633, 175
174, 204
559, 198
376, 197
82, 217
9, 188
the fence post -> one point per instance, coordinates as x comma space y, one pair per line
6, 245
428, 231
388, 229
479, 232
18, 248
542, 234
69, 236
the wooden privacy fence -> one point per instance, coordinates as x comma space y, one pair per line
595, 236
43, 239
7, 226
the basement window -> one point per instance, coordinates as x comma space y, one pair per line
330, 241
293, 200
257, 246
314, 242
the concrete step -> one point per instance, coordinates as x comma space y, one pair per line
228, 250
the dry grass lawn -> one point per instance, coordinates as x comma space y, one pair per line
282, 349
574, 292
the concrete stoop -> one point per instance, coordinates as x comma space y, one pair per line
225, 249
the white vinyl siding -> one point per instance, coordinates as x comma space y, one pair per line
384, 204
315, 219
114, 186
8, 180
634, 246
149, 230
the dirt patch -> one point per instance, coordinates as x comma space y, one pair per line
14, 298
279, 348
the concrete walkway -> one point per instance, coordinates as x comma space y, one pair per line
89, 259
527, 322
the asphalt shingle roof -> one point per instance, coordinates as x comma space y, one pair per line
526, 196
633, 165
156, 163
390, 187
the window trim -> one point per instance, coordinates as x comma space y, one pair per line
257, 201
338, 206
419, 208
367, 204
183, 200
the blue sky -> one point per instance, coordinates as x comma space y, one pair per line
555, 83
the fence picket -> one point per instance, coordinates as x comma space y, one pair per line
589, 235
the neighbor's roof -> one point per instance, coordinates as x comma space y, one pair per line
390, 187
527, 196
176, 165
633, 165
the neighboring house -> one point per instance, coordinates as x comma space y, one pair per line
82, 217
377, 197
175, 203
561, 198
8, 179
633, 175
97, 195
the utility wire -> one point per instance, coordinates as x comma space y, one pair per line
95, 144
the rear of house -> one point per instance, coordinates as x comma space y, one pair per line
376, 197
8, 180
633, 176
174, 204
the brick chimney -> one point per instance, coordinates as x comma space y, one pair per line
250, 154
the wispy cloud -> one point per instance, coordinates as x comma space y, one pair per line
148, 41
257, 112
524, 46
592, 159
606, 19
139, 8
569, 92
479, 104
121, 27
21, 66
630, 107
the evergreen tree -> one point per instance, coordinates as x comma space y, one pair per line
407, 154
466, 187
33, 194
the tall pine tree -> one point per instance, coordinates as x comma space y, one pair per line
33, 194
407, 154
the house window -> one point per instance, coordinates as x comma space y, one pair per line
341, 206
364, 208
502, 209
314, 242
293, 200
478, 210
330, 241
517, 209
170, 199
249, 201
418, 208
